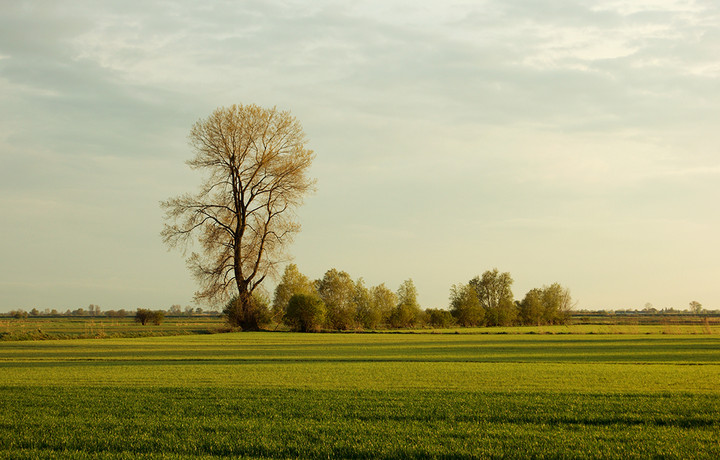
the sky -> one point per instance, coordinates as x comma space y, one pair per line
569, 141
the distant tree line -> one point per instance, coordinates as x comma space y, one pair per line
694, 308
487, 300
337, 302
95, 310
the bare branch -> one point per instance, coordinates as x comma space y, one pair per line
257, 173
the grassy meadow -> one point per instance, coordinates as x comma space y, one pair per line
103, 327
288, 395
74, 327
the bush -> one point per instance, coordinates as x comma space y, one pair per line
405, 315
465, 305
252, 318
305, 313
144, 316
439, 318
19, 314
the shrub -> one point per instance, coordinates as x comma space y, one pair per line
305, 313
405, 315
439, 318
259, 311
465, 305
144, 316
19, 314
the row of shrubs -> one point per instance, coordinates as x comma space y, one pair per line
337, 302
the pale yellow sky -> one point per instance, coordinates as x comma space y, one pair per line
564, 141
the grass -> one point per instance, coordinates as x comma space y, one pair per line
183, 422
44, 328
284, 395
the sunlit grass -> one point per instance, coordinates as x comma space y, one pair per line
44, 328
347, 424
362, 396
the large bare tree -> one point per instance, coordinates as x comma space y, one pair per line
256, 164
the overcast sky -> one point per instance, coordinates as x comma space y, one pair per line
570, 141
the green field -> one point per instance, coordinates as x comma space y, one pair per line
286, 395
69, 327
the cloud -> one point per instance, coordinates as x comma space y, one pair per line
512, 112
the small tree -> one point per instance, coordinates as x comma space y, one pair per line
465, 305
305, 313
368, 315
696, 307
549, 305
558, 303
384, 301
337, 289
157, 317
145, 316
259, 308
19, 314
496, 297
438, 318
142, 316
531, 308
407, 313
292, 282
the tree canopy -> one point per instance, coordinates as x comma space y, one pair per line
292, 282
256, 165
494, 291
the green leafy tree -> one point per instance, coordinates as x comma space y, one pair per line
145, 316
407, 313
337, 291
496, 297
696, 307
369, 316
384, 301
549, 305
558, 303
305, 313
292, 282
235, 311
465, 305
19, 314
438, 318
531, 308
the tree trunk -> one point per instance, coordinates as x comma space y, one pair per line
248, 318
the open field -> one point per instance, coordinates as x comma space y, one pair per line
282, 395
63, 327
69, 327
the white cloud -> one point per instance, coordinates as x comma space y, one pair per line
639, 6
486, 131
